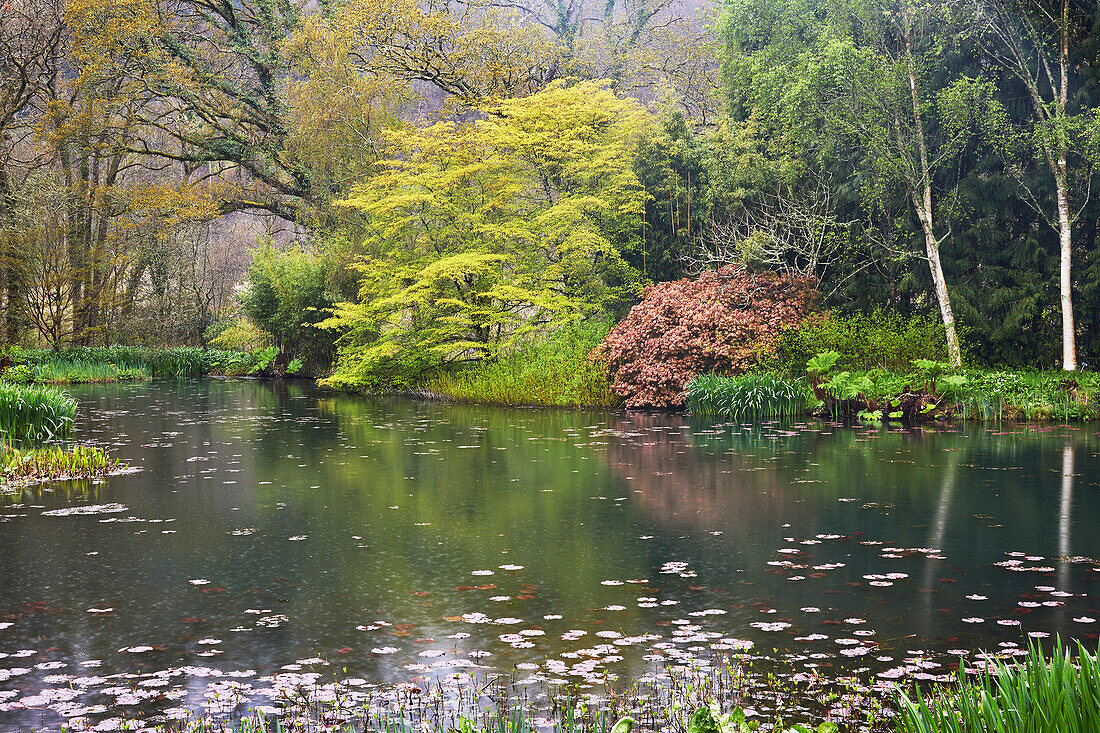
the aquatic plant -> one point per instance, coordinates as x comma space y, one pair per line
35, 413
52, 462
1039, 694
753, 396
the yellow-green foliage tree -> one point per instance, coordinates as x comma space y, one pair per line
486, 231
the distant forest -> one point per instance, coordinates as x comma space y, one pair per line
392, 185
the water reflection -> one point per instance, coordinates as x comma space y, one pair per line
273, 523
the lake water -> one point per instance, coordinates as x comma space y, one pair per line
277, 535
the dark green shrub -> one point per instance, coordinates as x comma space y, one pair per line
287, 295
882, 340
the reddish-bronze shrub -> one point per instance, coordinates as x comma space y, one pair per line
725, 321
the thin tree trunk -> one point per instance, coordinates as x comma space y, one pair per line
1065, 278
1065, 232
922, 200
933, 251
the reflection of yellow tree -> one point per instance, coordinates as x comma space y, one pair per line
468, 502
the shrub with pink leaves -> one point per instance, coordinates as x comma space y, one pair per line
725, 322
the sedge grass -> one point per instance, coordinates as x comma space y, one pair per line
748, 397
1041, 694
36, 413
86, 372
168, 362
1026, 395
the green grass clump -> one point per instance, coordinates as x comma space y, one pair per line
1037, 695
748, 397
1025, 395
172, 362
52, 462
35, 413
86, 372
554, 371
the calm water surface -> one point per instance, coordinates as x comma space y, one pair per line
276, 534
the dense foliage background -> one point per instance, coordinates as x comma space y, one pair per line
391, 190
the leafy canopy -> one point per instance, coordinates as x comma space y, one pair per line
483, 232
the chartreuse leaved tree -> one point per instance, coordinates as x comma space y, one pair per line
486, 231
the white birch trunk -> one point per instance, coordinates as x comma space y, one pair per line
1065, 280
932, 249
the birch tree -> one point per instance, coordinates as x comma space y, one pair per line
1031, 41
849, 78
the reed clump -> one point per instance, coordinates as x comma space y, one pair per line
748, 397
35, 413
129, 362
1040, 694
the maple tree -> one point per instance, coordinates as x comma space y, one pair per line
488, 230
726, 321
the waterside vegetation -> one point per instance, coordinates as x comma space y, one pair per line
36, 413
52, 463
1036, 693
552, 371
31, 415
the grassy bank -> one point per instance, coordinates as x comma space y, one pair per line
930, 390
554, 371
103, 364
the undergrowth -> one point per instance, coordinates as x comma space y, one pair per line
553, 371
